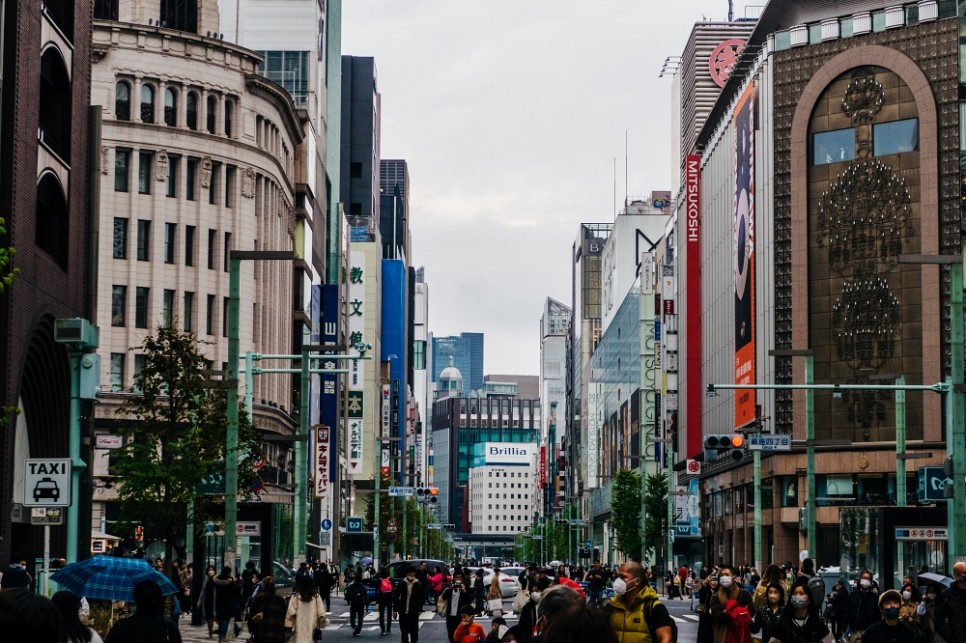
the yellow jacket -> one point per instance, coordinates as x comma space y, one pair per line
628, 621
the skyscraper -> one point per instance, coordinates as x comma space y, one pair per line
466, 349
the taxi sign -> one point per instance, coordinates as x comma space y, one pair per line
46, 482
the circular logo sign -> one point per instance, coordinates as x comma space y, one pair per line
694, 467
723, 60
326, 524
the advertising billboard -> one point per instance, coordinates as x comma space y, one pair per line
743, 121
692, 213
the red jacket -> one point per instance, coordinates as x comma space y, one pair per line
471, 633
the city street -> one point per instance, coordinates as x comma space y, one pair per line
432, 628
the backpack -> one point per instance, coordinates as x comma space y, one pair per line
816, 587
648, 618
385, 585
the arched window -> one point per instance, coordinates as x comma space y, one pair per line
147, 103
229, 112
52, 221
122, 101
55, 102
191, 110
170, 107
212, 108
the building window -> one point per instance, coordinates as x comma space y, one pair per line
191, 110
189, 245
290, 69
144, 172
52, 219
210, 316
230, 174
118, 303
105, 9
144, 240
355, 170
170, 107
229, 113
180, 14
224, 317
212, 240
139, 362
122, 162
833, 147
191, 176
215, 185
117, 371
142, 299
212, 108
170, 241
189, 311
895, 137
227, 263
167, 307
171, 183
147, 103
120, 237
122, 101
55, 103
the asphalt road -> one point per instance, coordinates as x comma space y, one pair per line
432, 627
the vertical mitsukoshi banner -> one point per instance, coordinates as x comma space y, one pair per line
694, 393
743, 122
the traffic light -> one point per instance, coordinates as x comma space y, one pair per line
427, 494
139, 533
717, 444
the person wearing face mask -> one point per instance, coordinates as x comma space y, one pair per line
800, 621
838, 602
951, 607
407, 604
636, 615
863, 606
709, 586
455, 598
552, 602
926, 611
907, 611
729, 609
890, 629
767, 616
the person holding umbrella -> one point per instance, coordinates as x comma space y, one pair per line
147, 624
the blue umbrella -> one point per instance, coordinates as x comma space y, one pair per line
110, 578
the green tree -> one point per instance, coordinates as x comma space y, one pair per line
7, 273
626, 513
655, 514
174, 430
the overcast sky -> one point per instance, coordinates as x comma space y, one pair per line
511, 114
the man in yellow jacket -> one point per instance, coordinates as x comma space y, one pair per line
635, 613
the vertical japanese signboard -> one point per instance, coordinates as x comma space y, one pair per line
692, 212
355, 411
330, 383
321, 461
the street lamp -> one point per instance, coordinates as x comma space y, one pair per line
955, 413
810, 442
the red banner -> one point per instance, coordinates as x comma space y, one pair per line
543, 467
692, 338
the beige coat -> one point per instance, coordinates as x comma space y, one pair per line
305, 616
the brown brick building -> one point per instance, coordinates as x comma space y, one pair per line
44, 188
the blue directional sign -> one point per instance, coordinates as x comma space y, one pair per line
353, 524
326, 524
931, 483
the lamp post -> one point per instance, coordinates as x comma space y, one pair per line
939, 387
955, 411
235, 257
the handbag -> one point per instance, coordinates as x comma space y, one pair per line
495, 604
442, 606
520, 600
317, 634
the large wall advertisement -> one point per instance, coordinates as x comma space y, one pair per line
743, 120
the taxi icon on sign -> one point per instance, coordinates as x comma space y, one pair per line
46, 488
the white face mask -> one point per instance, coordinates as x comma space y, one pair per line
725, 581
620, 586
906, 595
865, 582
931, 597
535, 596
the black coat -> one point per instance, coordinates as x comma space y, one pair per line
417, 598
227, 598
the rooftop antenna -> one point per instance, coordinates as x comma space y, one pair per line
731, 11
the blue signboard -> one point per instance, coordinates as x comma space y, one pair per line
353, 524
329, 414
931, 484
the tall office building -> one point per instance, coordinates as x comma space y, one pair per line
394, 209
466, 349
360, 145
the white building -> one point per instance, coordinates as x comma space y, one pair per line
502, 487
